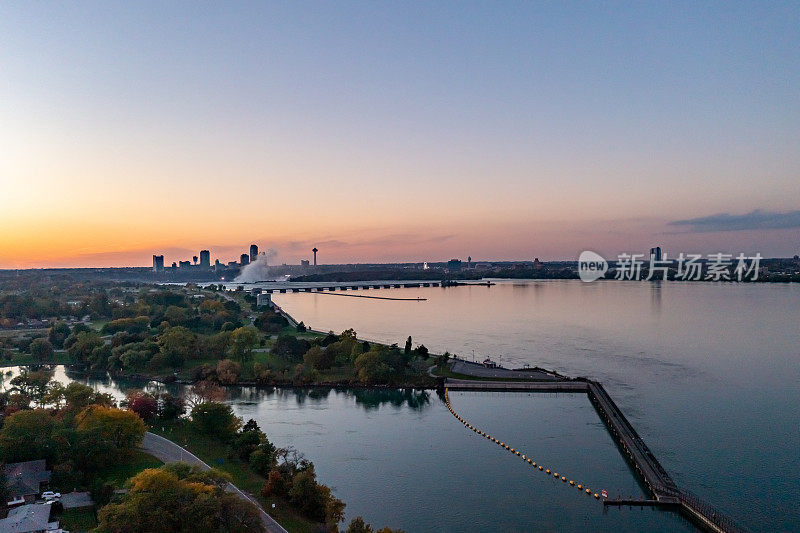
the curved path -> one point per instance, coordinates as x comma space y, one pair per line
169, 452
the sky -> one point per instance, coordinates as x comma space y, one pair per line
396, 131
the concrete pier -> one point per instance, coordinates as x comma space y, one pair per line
655, 478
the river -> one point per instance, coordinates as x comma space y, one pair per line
708, 374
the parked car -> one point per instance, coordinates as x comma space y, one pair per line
50, 495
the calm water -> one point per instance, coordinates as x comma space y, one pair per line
400, 458
709, 374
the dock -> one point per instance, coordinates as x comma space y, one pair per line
663, 490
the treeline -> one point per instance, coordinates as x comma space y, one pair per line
78, 431
289, 478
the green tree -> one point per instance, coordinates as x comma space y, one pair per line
124, 429
318, 358
194, 502
216, 419
87, 349
264, 458
315, 500
33, 386
371, 368
242, 342
41, 349
357, 525
28, 435
58, 333
177, 345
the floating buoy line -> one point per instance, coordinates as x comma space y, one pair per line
572, 483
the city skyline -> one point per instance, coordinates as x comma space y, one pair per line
396, 132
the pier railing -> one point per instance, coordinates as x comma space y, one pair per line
708, 512
644, 462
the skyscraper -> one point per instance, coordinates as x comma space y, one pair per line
244, 259
253, 252
655, 253
205, 259
158, 263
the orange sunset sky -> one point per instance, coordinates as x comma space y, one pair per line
399, 132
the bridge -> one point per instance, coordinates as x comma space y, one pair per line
663, 490
283, 287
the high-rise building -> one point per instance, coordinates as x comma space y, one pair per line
655, 253
253, 252
158, 263
244, 259
205, 259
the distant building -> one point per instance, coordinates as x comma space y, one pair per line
205, 259
454, 265
536, 263
264, 299
305, 263
655, 253
244, 259
184, 264
253, 253
158, 263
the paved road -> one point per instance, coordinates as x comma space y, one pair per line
169, 452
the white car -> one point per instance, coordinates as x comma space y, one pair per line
50, 495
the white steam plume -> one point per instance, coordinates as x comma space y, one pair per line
258, 270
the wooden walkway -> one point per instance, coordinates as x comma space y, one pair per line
663, 489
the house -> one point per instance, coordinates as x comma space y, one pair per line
31, 518
25, 480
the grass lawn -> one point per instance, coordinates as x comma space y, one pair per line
79, 520
215, 454
117, 474
24, 359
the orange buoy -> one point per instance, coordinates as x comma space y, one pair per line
548, 470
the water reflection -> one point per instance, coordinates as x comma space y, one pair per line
367, 398
655, 296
